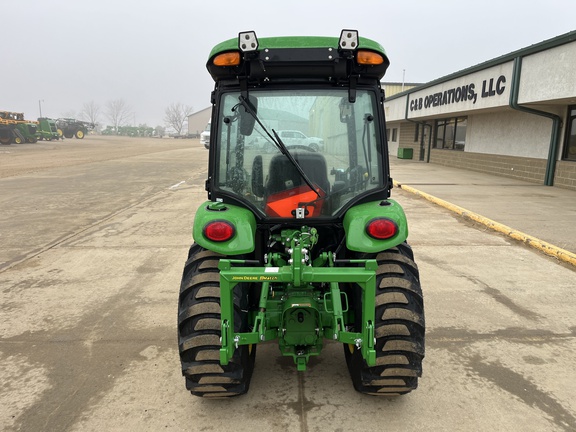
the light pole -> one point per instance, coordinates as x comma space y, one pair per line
40, 106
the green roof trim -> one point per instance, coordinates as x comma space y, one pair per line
281, 42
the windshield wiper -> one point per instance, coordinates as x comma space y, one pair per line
281, 146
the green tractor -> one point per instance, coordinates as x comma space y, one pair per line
15, 129
299, 244
28, 131
47, 129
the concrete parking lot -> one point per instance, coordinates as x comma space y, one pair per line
93, 238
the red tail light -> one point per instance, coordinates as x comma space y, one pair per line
381, 228
219, 231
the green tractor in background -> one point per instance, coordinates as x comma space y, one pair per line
296, 243
28, 131
47, 129
15, 129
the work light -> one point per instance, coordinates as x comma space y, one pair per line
348, 40
247, 41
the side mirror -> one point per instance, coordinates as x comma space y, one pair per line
345, 110
246, 120
258, 177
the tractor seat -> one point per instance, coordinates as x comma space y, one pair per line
283, 175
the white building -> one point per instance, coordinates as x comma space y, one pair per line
197, 121
513, 116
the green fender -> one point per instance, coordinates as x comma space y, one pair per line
357, 217
243, 221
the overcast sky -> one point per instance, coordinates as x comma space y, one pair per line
152, 53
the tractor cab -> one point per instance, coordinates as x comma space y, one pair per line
297, 129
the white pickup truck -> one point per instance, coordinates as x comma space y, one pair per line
291, 138
297, 138
205, 137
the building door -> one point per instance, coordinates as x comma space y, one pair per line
570, 143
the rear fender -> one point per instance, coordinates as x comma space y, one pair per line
356, 219
243, 221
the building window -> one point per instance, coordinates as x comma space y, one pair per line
570, 146
450, 133
394, 134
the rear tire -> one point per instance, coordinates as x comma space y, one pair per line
399, 328
199, 330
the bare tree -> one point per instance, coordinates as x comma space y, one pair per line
118, 112
176, 115
90, 112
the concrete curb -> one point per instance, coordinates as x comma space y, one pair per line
541, 245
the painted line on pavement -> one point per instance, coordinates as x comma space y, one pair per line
536, 243
175, 186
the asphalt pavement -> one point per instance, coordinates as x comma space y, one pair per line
543, 217
94, 234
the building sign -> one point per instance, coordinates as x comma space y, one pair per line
468, 92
